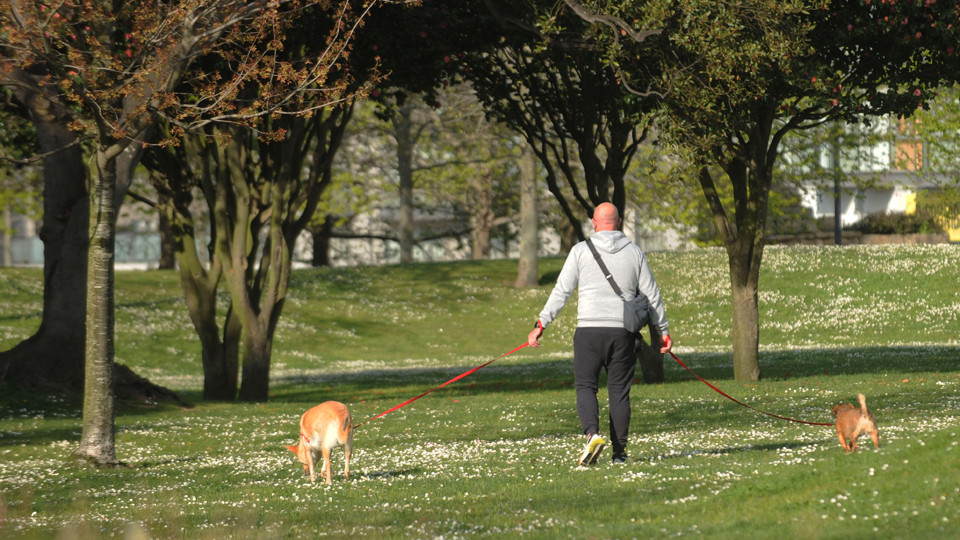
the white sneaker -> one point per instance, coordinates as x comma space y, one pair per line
592, 450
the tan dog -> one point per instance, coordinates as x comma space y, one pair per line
853, 422
322, 428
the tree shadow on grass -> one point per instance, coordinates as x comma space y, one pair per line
388, 474
389, 387
404, 383
792, 364
365, 475
152, 463
41, 436
767, 447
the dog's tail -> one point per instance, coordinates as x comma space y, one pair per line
863, 403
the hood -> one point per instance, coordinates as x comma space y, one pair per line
610, 241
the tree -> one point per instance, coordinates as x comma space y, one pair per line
563, 99
470, 167
420, 51
104, 72
935, 137
54, 354
528, 269
354, 189
261, 185
558, 94
938, 130
413, 46
549, 81
441, 159
737, 78
259, 195
406, 134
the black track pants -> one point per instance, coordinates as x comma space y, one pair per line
613, 350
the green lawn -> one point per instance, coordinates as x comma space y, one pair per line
495, 453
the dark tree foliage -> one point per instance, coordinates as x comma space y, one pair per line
735, 78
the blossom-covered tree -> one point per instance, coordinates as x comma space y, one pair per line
100, 73
260, 181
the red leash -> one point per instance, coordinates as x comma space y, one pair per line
722, 393
471, 371
457, 378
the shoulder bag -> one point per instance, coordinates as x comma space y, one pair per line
636, 312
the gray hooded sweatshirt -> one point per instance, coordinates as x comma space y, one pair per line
598, 305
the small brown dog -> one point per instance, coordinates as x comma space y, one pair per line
853, 422
322, 428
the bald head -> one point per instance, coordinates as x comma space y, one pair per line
606, 217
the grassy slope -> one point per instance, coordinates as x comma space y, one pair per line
492, 454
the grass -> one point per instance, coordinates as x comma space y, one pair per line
494, 454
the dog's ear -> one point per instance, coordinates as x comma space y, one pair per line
292, 449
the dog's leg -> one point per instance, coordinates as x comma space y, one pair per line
346, 459
326, 464
311, 459
843, 442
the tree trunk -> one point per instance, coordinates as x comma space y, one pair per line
751, 176
220, 358
255, 382
744, 281
321, 243
168, 256
171, 175
241, 205
257, 291
7, 255
219, 369
528, 272
650, 357
569, 236
53, 356
199, 286
97, 439
232, 333
260, 321
405, 143
481, 217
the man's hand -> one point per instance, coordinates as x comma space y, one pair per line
533, 338
665, 344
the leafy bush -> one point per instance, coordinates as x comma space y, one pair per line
897, 223
939, 200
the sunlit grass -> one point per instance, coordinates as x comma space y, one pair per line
495, 454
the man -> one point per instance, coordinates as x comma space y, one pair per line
601, 341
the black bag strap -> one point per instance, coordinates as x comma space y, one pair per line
603, 268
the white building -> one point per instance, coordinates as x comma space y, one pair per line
878, 178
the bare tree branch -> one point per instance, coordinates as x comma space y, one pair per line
618, 25
39, 157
